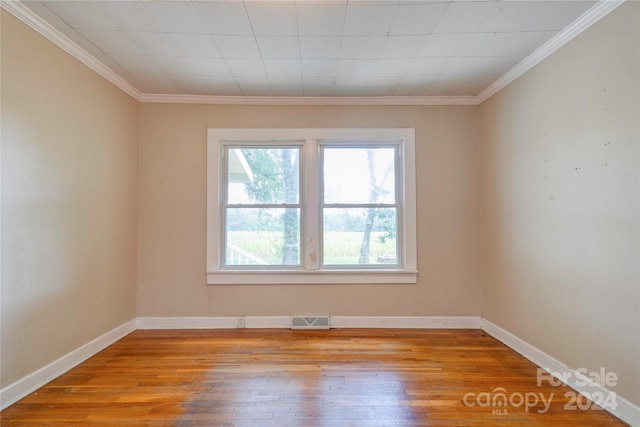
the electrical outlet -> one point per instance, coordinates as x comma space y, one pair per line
241, 324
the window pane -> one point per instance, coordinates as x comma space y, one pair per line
263, 236
359, 236
359, 175
263, 175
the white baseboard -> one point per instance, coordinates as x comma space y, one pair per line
258, 322
30, 383
418, 322
187, 322
620, 407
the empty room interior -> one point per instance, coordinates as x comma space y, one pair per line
320, 213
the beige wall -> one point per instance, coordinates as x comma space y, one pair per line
560, 194
173, 215
69, 203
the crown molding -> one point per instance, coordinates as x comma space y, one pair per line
590, 17
26, 15
308, 100
594, 14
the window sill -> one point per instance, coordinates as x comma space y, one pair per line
280, 277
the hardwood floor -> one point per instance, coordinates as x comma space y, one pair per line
283, 378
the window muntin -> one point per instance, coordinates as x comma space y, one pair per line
397, 205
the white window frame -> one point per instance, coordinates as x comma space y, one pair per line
310, 271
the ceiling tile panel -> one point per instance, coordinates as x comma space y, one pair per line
278, 47
237, 46
224, 18
426, 67
369, 19
128, 16
402, 46
197, 45
414, 19
282, 67
511, 16
319, 67
390, 67
465, 16
154, 43
444, 45
319, 47
321, 19
175, 17
273, 18
355, 67
193, 66
247, 67
160, 16
361, 47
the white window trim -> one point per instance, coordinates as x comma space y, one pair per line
310, 273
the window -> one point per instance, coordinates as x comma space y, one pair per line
311, 206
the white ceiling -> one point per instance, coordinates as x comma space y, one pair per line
310, 48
